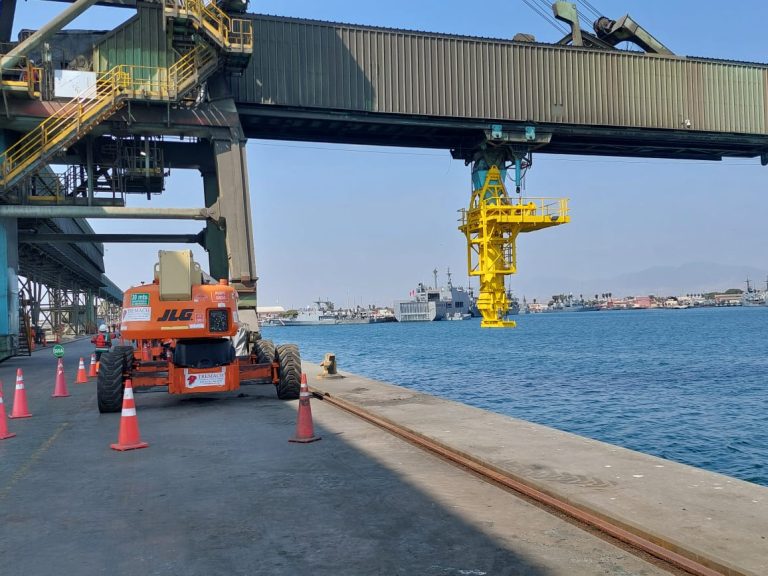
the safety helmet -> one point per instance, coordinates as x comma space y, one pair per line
103, 328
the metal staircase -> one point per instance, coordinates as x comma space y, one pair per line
231, 42
25, 334
110, 92
233, 35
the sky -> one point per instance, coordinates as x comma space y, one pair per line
363, 225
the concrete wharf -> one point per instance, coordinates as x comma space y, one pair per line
221, 491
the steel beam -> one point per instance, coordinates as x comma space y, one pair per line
7, 12
108, 212
41, 35
31, 238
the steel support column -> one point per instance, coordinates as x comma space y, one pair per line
9, 288
235, 209
215, 237
7, 12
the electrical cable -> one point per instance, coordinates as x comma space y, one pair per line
550, 20
589, 6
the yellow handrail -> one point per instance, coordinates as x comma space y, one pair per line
232, 33
104, 97
23, 76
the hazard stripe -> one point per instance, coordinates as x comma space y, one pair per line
128, 395
1, 399
20, 386
129, 412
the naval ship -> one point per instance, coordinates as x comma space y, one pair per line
429, 304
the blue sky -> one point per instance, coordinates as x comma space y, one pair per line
329, 238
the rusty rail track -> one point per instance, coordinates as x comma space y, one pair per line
631, 539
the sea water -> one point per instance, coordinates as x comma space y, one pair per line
688, 385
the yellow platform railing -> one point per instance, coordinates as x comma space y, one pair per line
234, 34
491, 225
23, 76
111, 90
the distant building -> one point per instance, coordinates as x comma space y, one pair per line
642, 302
727, 299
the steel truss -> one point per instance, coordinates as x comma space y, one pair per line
64, 311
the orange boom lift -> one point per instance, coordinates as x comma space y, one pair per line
186, 335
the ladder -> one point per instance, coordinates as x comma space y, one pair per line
25, 335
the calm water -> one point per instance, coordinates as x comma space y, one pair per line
687, 385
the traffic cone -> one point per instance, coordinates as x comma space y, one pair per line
98, 365
92, 368
20, 408
305, 431
129, 437
60, 389
146, 355
3, 421
82, 377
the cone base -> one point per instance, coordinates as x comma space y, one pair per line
305, 440
19, 416
59, 395
124, 447
81, 381
9, 435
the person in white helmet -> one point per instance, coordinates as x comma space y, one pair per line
102, 341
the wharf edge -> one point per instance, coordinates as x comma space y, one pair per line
713, 520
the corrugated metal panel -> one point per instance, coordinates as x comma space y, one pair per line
326, 65
140, 41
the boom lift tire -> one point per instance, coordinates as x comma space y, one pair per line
290, 372
109, 383
265, 351
127, 353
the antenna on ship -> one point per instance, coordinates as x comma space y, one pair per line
448, 273
434, 273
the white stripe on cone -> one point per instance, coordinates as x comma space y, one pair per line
129, 412
128, 394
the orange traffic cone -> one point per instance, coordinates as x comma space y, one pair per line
60, 389
98, 365
129, 437
20, 408
82, 377
305, 431
92, 368
3, 422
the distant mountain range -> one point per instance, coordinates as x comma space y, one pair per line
693, 277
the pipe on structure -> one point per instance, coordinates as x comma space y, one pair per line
107, 212
41, 35
45, 238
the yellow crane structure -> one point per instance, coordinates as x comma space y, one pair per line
491, 225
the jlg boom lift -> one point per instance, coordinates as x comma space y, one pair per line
186, 336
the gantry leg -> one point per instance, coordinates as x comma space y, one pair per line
9, 288
235, 209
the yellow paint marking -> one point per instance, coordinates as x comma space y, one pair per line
36, 455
